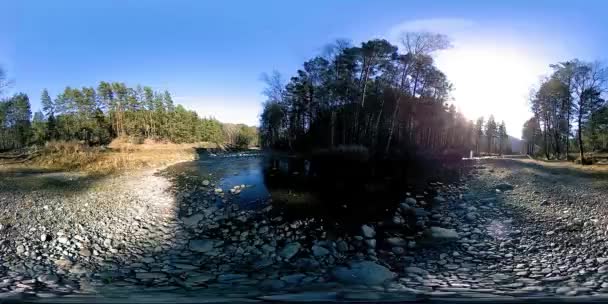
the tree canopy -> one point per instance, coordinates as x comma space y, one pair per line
374, 95
571, 95
112, 109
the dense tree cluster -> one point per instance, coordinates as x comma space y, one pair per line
570, 96
15, 125
373, 95
98, 115
240, 135
491, 137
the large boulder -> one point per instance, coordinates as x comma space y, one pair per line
363, 273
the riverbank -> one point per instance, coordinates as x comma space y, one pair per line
118, 157
509, 229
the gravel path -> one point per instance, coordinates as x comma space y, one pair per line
510, 229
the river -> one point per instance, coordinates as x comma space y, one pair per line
291, 185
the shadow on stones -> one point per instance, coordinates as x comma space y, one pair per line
206, 241
61, 182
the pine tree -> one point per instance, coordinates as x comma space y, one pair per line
490, 132
39, 128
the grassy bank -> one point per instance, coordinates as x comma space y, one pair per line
119, 156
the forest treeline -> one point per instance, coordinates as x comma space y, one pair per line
96, 116
570, 111
377, 96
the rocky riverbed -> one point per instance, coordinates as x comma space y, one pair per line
508, 229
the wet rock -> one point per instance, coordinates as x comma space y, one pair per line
410, 201
420, 212
500, 277
398, 250
342, 246
438, 234
192, 221
290, 250
439, 199
231, 277
272, 285
306, 264
416, 270
268, 248
202, 246
319, 251
396, 241
262, 263
363, 273
150, 275
205, 182
306, 296
48, 279
293, 279
368, 231
504, 187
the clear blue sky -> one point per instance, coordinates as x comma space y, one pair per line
210, 54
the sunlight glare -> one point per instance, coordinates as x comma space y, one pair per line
491, 80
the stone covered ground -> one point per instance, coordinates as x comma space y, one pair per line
509, 229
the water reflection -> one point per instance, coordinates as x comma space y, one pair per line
341, 191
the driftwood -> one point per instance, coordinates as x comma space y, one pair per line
9, 156
8, 159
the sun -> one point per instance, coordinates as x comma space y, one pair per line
492, 80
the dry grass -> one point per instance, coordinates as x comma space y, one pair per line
120, 155
563, 164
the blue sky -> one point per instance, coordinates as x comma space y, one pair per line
210, 54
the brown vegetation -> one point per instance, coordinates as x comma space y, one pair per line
120, 155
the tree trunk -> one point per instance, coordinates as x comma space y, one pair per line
390, 132
568, 133
580, 137
545, 141
557, 141
332, 128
